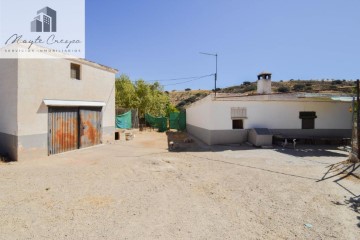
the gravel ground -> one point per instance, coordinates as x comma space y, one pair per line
139, 190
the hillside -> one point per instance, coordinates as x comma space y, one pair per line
181, 99
313, 86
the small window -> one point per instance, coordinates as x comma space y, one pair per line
75, 71
307, 120
238, 124
308, 123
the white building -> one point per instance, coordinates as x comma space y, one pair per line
229, 117
54, 105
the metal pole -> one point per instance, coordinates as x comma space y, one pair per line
358, 119
216, 73
216, 56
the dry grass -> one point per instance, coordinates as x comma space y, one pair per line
182, 99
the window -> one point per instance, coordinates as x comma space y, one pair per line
238, 124
308, 120
308, 123
75, 71
238, 114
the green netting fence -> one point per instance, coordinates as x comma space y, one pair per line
157, 122
178, 120
124, 121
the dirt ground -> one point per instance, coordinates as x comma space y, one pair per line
140, 190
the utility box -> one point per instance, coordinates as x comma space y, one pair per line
260, 137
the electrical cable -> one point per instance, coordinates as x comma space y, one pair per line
189, 80
176, 79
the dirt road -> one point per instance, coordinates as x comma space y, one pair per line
139, 190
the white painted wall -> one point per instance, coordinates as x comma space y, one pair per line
216, 115
41, 79
199, 114
8, 96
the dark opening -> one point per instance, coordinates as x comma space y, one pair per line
308, 123
117, 136
308, 115
238, 124
75, 71
308, 120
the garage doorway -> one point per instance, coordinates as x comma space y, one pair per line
71, 128
90, 126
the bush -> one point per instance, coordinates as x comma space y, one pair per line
250, 88
308, 84
336, 82
283, 89
308, 88
188, 89
333, 87
246, 83
348, 90
298, 87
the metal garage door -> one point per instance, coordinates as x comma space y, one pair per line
63, 129
90, 126
72, 128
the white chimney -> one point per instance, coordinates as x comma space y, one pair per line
264, 83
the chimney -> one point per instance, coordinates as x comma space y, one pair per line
264, 83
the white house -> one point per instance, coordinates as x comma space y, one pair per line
229, 117
53, 105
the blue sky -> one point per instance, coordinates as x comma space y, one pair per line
161, 39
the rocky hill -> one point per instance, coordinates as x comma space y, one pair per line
181, 99
313, 86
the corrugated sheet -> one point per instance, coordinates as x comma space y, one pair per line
90, 126
71, 128
63, 129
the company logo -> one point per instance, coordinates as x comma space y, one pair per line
42, 29
45, 21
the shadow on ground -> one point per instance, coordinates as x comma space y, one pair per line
338, 172
312, 151
183, 142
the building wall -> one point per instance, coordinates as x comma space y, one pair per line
282, 114
8, 103
211, 121
213, 137
198, 121
41, 79
199, 114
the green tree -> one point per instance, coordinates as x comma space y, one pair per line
125, 93
170, 108
146, 97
